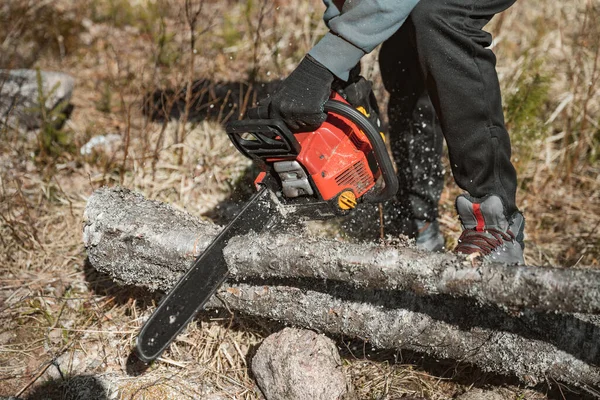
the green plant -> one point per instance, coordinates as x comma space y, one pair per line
105, 101
168, 53
231, 33
525, 109
118, 13
52, 140
121, 13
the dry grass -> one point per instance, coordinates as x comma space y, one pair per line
55, 311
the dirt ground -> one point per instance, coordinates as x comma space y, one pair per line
67, 331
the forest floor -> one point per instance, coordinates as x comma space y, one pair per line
63, 326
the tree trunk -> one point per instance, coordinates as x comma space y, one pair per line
394, 297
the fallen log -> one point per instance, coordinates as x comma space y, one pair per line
401, 268
389, 326
360, 290
162, 241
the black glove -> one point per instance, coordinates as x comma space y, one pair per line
300, 99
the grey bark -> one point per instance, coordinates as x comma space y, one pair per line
364, 295
401, 268
298, 364
141, 242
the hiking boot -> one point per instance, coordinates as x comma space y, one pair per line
429, 236
488, 233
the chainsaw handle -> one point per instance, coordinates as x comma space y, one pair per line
379, 149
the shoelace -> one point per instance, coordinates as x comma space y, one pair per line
473, 241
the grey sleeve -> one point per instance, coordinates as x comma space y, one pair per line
331, 11
355, 31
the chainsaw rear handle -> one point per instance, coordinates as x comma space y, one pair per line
381, 155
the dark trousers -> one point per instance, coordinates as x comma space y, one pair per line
441, 78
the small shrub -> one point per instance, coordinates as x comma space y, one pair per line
167, 51
52, 139
104, 104
118, 13
525, 111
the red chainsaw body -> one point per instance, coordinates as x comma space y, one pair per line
335, 157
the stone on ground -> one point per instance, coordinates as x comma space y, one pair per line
297, 364
481, 394
20, 96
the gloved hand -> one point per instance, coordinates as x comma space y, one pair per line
300, 99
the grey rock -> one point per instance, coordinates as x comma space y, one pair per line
481, 394
20, 95
71, 363
6, 338
102, 144
297, 364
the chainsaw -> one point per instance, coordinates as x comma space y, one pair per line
307, 175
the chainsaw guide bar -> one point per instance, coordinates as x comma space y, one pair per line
201, 281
